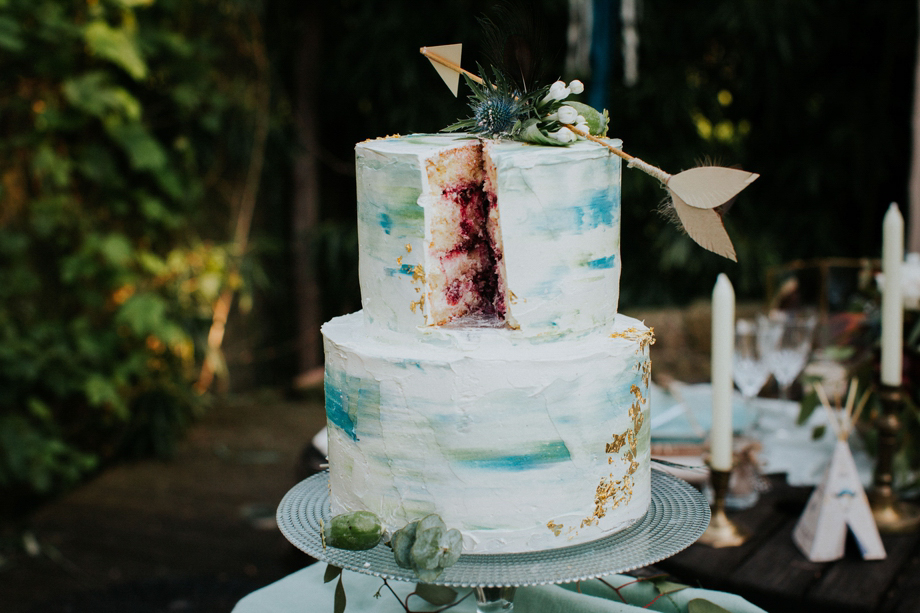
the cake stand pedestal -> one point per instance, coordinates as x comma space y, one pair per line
677, 516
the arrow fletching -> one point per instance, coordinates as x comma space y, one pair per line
707, 187
704, 226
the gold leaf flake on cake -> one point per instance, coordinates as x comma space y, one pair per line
408, 248
635, 411
387, 137
418, 281
640, 418
554, 527
645, 338
418, 304
645, 369
610, 494
618, 441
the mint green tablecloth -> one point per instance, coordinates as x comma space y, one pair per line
304, 591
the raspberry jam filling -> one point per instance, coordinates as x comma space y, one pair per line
465, 276
477, 282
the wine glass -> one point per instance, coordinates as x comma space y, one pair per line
749, 367
787, 340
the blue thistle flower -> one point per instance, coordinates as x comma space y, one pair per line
498, 106
496, 114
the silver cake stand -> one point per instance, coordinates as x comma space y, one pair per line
677, 516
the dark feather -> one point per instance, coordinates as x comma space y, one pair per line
514, 42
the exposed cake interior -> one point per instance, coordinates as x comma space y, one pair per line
465, 276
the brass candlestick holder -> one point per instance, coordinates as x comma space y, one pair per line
892, 515
722, 531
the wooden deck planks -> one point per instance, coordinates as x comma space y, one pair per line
856, 584
770, 571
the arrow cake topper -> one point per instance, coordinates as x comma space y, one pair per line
543, 116
446, 60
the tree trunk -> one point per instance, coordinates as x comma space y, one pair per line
306, 197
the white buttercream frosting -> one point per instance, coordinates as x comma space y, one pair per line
511, 439
525, 433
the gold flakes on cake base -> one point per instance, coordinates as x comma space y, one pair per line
645, 370
635, 411
554, 527
645, 338
611, 492
618, 441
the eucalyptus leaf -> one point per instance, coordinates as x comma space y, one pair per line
438, 595
700, 605
431, 521
597, 121
339, 602
530, 132
401, 542
426, 551
666, 586
331, 573
453, 541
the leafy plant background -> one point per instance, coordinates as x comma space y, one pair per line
127, 128
124, 126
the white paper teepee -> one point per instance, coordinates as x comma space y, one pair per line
839, 501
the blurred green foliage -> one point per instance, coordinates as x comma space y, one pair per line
120, 121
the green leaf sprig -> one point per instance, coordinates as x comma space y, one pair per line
537, 116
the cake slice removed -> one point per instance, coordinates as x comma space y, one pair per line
466, 274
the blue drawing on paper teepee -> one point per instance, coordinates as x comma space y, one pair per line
839, 502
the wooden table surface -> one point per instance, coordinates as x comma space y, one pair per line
768, 570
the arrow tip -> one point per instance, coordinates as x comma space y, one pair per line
452, 54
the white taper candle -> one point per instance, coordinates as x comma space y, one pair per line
723, 347
892, 304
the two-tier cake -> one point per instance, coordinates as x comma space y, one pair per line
488, 377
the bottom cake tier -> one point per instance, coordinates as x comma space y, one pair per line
521, 444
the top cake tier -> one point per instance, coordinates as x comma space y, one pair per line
459, 231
